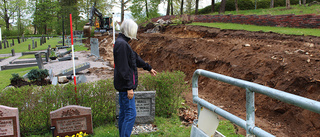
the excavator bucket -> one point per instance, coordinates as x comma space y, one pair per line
87, 30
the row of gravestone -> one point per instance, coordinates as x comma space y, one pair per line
73, 119
6, 44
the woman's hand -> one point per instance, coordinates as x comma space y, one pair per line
130, 93
153, 72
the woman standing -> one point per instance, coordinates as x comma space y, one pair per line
126, 76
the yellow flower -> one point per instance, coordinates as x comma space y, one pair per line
81, 132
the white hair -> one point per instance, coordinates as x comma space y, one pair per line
129, 28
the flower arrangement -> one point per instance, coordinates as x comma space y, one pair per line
80, 134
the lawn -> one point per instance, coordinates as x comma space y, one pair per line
295, 9
5, 75
282, 30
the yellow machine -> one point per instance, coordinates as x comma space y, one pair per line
102, 26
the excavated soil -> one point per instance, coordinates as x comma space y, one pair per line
285, 62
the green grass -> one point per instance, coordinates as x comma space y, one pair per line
167, 127
295, 9
5, 75
282, 30
23, 47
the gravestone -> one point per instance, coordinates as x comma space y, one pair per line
41, 41
7, 44
9, 122
18, 40
12, 42
145, 106
48, 54
71, 119
39, 60
94, 45
78, 68
33, 44
0, 44
4, 44
12, 52
29, 47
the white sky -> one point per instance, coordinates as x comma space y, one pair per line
162, 9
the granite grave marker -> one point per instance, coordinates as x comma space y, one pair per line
9, 122
145, 106
70, 120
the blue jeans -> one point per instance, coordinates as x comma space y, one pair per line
127, 114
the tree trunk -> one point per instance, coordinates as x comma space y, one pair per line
212, 6
304, 2
222, 6
288, 4
197, 5
272, 4
171, 4
168, 8
181, 9
299, 2
147, 12
236, 4
6, 17
122, 10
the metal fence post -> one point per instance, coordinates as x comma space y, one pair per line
250, 123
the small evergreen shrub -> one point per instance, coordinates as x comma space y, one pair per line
15, 78
37, 74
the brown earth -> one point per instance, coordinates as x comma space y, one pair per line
286, 62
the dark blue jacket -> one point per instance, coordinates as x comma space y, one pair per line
126, 62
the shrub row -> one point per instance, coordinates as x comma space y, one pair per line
36, 103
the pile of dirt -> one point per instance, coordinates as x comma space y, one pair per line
286, 62
20, 83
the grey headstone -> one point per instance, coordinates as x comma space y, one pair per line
48, 54
9, 122
4, 44
33, 44
145, 106
66, 58
81, 79
12, 52
39, 60
78, 68
94, 47
72, 119
54, 81
64, 53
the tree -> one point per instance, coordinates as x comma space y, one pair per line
272, 4
123, 5
189, 6
197, 5
168, 7
222, 6
181, 9
8, 10
288, 4
144, 9
236, 5
212, 6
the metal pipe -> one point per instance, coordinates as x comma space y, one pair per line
299, 101
250, 111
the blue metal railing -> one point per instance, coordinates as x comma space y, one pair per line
251, 88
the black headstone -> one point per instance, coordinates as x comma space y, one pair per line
18, 40
41, 40
12, 52
35, 44
29, 47
12, 42
7, 44
4, 44
0, 44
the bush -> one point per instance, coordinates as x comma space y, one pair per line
15, 78
36, 103
37, 74
169, 87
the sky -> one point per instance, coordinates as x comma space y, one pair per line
162, 9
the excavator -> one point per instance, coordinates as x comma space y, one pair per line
102, 26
